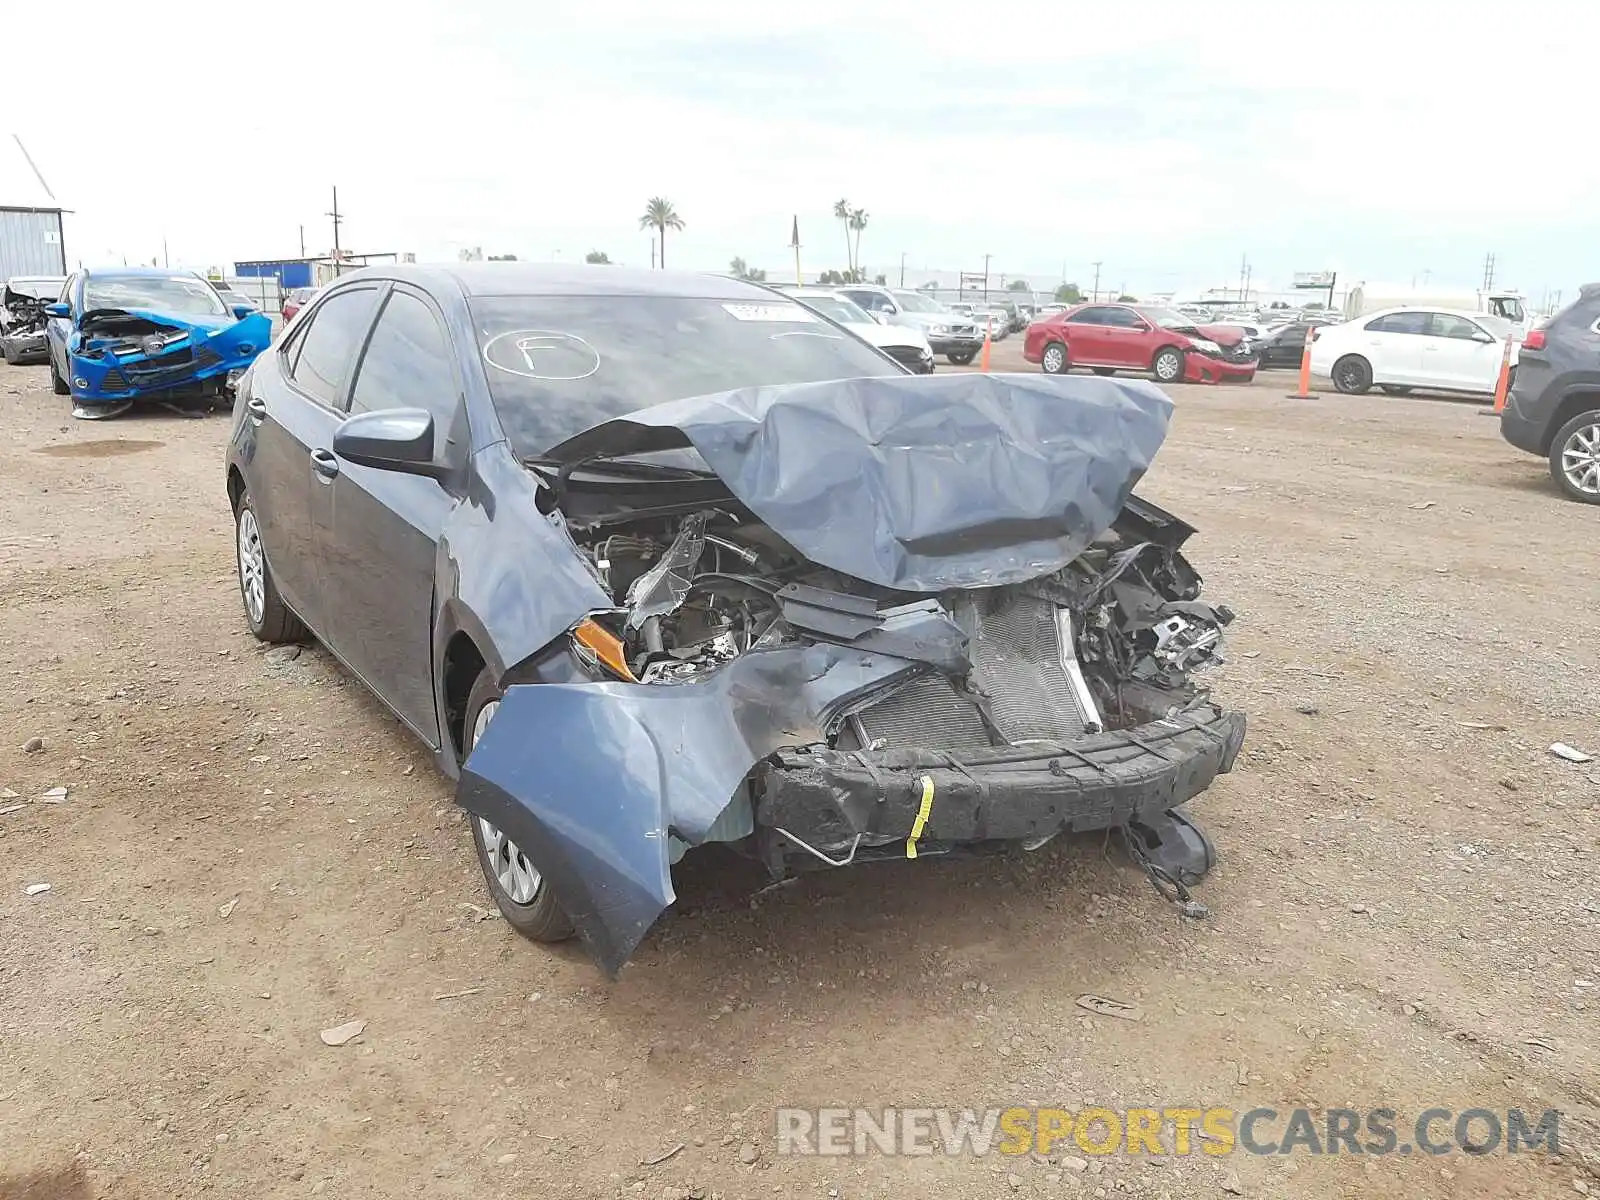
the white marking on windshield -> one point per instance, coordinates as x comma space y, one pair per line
545, 354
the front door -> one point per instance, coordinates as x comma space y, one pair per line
387, 524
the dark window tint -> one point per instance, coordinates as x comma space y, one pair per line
328, 343
1448, 326
407, 365
1404, 322
559, 364
1123, 318
1092, 316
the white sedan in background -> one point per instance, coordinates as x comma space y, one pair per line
907, 345
1403, 348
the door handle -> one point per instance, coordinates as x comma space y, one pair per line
257, 408
325, 465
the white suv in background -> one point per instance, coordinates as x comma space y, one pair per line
957, 338
1404, 348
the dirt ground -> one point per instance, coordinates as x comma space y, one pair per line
251, 850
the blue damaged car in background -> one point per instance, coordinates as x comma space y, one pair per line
124, 335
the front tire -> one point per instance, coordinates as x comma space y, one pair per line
269, 618
520, 890
1352, 375
1575, 458
1167, 366
963, 358
58, 385
1053, 359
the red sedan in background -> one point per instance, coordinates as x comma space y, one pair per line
294, 300
1124, 337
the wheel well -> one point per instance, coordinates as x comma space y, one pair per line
462, 663
1569, 407
235, 489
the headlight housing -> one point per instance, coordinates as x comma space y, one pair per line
1207, 347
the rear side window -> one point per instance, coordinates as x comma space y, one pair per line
1407, 322
326, 346
407, 364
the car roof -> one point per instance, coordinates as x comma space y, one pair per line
562, 279
1428, 308
140, 273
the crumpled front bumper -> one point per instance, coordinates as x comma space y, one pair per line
839, 805
201, 357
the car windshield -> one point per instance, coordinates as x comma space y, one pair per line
837, 308
917, 302
160, 293
557, 365
1167, 318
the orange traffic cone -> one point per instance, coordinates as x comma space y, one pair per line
1305, 367
983, 362
1502, 385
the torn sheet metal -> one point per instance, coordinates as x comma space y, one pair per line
921, 483
656, 762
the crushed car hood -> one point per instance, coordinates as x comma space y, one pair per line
919, 483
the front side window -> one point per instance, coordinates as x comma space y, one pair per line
1448, 326
557, 365
407, 364
1508, 307
323, 351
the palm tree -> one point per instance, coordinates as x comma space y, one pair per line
858, 222
841, 212
660, 216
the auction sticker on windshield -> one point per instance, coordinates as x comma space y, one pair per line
769, 312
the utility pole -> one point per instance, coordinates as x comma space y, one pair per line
1095, 292
902, 268
1488, 271
986, 259
164, 261
652, 252
302, 241
338, 254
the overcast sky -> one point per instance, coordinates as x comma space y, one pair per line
1163, 139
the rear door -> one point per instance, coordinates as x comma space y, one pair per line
1460, 354
1089, 336
387, 524
293, 411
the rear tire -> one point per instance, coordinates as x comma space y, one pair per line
1053, 359
1390, 389
532, 911
962, 359
1352, 375
1575, 458
269, 618
58, 385
1167, 366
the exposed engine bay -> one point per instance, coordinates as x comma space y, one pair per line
1112, 640
22, 318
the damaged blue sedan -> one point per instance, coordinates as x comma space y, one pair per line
126, 334
653, 561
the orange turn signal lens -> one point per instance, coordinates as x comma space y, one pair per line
604, 645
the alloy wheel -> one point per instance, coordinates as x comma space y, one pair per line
252, 567
1580, 459
1054, 359
520, 878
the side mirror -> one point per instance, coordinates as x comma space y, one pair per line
241, 311
58, 310
393, 439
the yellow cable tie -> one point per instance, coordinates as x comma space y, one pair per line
921, 822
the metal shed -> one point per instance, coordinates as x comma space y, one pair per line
31, 242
